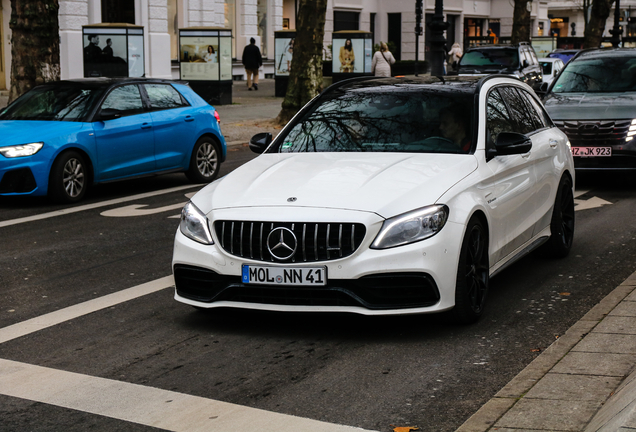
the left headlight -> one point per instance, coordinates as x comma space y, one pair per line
194, 225
21, 150
411, 227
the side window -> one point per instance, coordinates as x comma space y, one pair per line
125, 99
163, 96
497, 118
518, 110
539, 116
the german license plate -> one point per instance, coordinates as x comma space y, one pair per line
266, 275
591, 151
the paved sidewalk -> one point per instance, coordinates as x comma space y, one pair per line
585, 381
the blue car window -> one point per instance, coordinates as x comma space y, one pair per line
163, 96
58, 102
125, 99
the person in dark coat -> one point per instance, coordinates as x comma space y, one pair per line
252, 60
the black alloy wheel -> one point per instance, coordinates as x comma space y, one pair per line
471, 288
562, 223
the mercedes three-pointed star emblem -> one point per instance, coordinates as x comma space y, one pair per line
282, 243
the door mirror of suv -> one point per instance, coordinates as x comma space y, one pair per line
525, 63
512, 143
260, 141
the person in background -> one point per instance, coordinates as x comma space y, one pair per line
455, 54
382, 61
252, 61
492, 35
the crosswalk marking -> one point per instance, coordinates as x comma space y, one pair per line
144, 405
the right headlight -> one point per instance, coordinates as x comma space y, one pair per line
194, 225
411, 227
21, 150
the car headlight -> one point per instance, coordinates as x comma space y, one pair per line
632, 131
411, 227
194, 225
21, 150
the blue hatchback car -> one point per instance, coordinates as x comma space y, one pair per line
62, 137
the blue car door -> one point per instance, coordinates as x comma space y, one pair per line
125, 139
174, 124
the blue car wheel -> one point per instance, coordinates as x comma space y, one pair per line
204, 162
68, 180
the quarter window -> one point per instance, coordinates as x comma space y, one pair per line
539, 117
518, 110
163, 96
126, 99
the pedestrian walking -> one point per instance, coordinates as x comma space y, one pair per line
252, 60
382, 61
455, 54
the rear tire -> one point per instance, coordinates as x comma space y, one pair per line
205, 162
562, 223
471, 287
68, 180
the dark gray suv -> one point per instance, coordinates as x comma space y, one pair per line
593, 100
516, 60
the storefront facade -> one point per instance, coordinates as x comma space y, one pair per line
259, 19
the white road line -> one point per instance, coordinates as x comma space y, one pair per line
35, 324
145, 405
92, 206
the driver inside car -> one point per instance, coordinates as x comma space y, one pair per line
454, 125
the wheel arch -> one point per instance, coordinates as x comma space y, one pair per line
83, 153
216, 139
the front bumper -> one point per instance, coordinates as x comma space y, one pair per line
415, 278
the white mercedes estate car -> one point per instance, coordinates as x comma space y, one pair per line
383, 196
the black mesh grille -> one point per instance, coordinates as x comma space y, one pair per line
18, 181
314, 241
595, 133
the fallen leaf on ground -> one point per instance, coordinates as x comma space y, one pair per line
536, 350
564, 294
404, 428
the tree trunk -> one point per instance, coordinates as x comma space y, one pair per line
596, 26
305, 77
35, 44
520, 22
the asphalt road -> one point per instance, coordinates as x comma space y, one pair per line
369, 372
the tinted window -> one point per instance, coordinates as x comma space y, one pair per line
491, 57
395, 121
518, 110
546, 67
538, 114
498, 118
607, 74
162, 96
125, 99
62, 103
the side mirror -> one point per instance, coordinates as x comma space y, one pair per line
525, 64
260, 141
544, 87
108, 114
512, 143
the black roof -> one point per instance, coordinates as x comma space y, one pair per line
465, 84
606, 52
107, 82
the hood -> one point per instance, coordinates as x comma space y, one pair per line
591, 106
383, 183
26, 131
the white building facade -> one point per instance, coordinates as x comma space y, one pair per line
387, 20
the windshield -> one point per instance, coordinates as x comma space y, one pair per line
61, 103
499, 58
608, 74
391, 121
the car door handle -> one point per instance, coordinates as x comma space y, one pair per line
189, 118
554, 143
146, 125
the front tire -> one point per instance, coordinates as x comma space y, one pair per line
68, 180
562, 223
471, 287
204, 162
